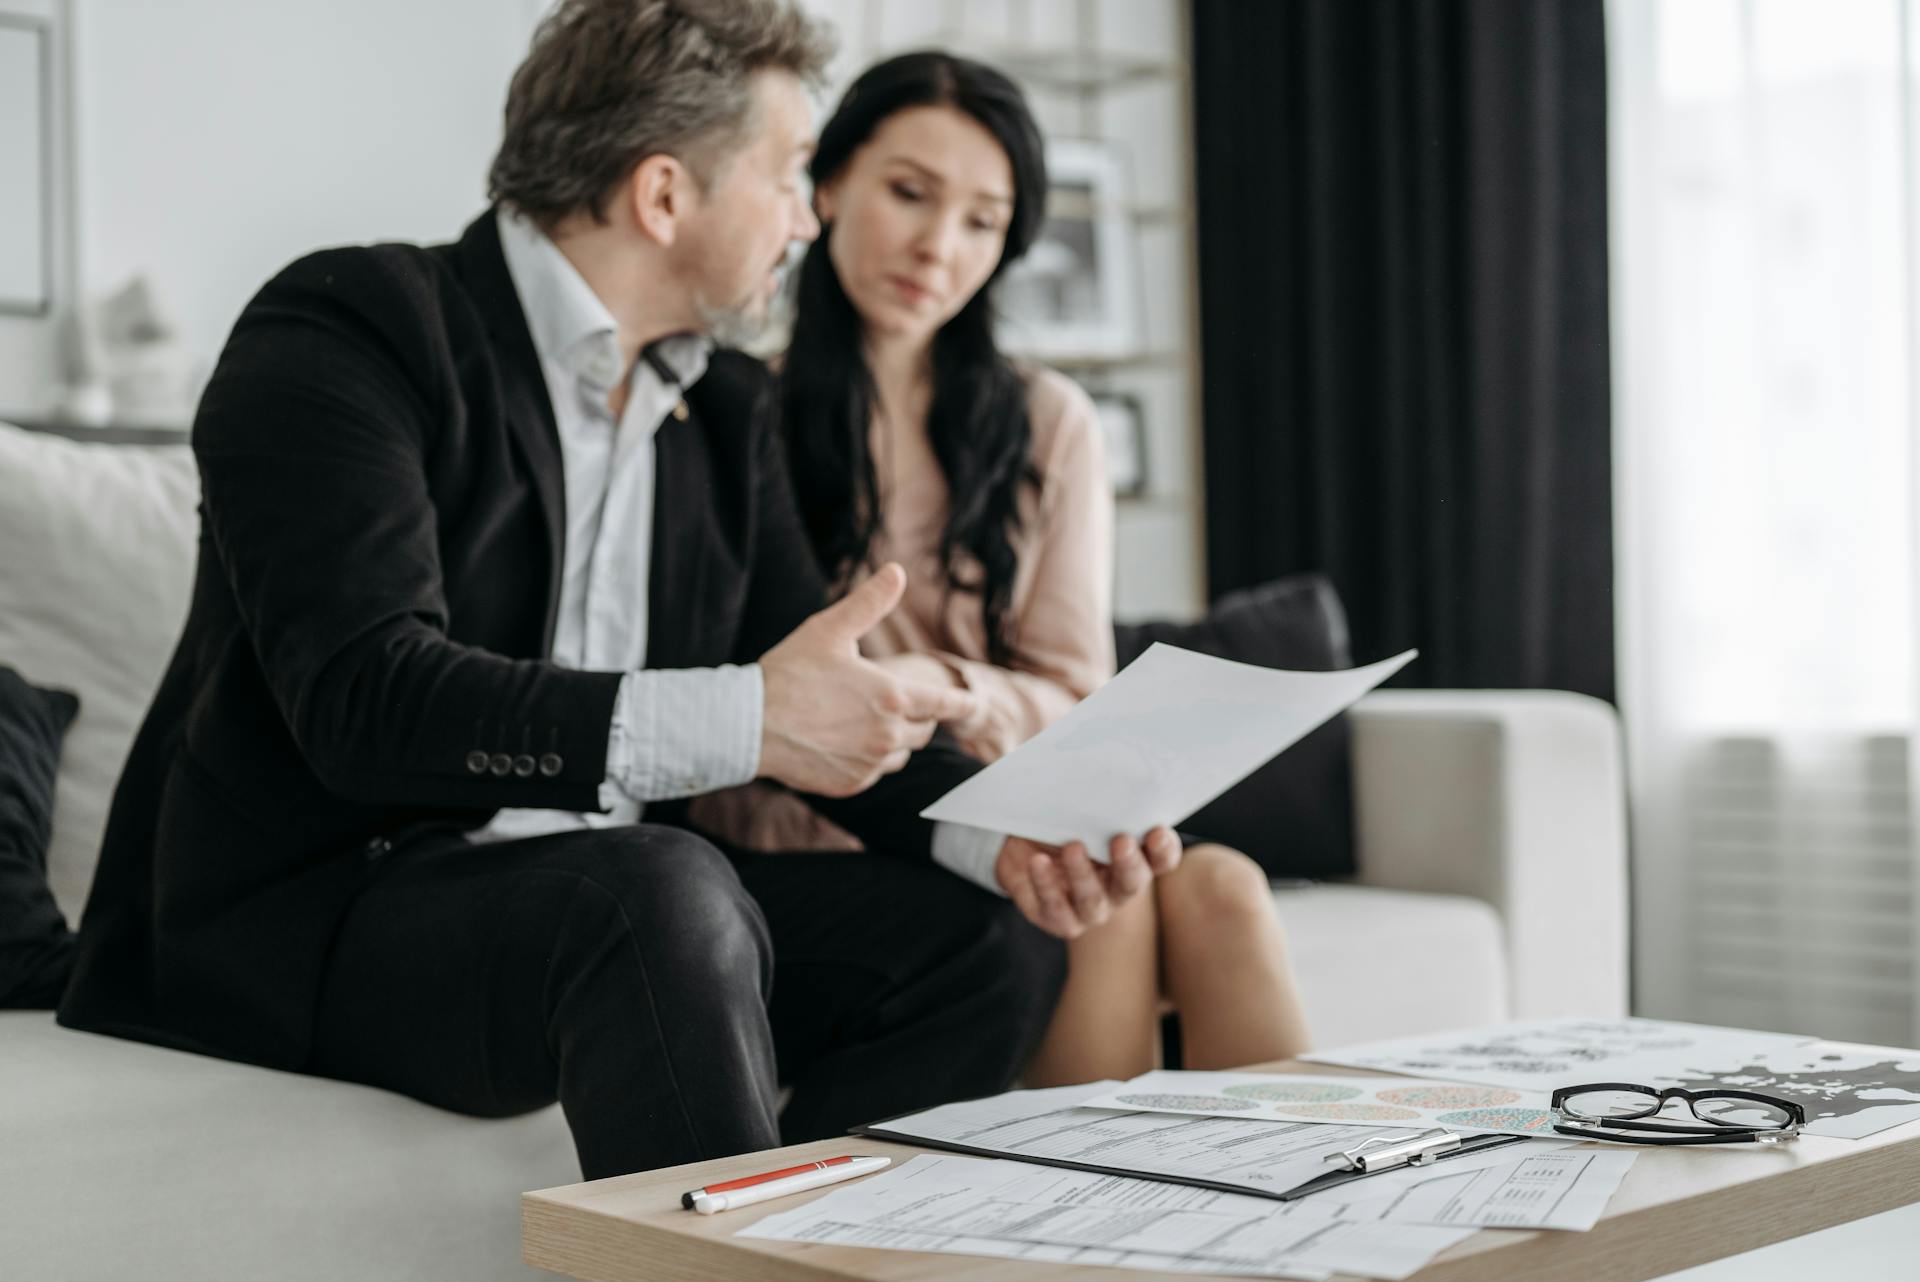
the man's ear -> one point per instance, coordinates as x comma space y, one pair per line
661, 192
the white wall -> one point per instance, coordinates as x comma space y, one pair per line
217, 140
213, 141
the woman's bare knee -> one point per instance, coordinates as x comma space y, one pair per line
1215, 885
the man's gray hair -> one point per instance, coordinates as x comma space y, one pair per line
608, 83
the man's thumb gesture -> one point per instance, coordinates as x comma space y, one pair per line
853, 615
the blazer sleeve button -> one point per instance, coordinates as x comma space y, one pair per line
551, 764
501, 764
523, 765
476, 762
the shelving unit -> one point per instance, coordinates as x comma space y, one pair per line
1076, 70
1161, 567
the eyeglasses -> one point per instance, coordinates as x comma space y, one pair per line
1619, 1111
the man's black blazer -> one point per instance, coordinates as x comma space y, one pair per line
366, 655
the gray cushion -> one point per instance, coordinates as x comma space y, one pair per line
36, 948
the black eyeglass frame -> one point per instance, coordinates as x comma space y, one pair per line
1673, 1133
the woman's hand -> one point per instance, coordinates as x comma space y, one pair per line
1063, 892
915, 668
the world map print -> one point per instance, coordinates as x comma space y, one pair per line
1842, 1089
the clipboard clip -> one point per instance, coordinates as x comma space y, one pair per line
1381, 1152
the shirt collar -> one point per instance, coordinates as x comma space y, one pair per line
570, 326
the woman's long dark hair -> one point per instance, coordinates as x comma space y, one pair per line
977, 423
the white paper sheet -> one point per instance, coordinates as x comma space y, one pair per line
1848, 1091
1545, 1053
1387, 1103
1167, 735
962, 1204
1047, 1253
1566, 1189
1271, 1157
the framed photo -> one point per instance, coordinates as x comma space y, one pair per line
1123, 423
26, 164
1075, 293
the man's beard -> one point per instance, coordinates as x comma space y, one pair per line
738, 325
759, 323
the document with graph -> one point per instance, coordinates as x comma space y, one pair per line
1167, 735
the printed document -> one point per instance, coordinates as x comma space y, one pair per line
1268, 1158
1167, 735
1565, 1189
1542, 1054
1411, 1102
1401, 1178
1262, 1157
982, 1206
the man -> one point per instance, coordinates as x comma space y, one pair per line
498, 567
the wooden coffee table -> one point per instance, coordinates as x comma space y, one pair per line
1676, 1209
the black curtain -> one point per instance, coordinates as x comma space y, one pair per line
1403, 294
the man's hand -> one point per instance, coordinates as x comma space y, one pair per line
834, 722
1063, 892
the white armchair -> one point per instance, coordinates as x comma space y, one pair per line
1492, 852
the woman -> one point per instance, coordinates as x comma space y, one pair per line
912, 439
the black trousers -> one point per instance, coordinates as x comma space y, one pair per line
663, 991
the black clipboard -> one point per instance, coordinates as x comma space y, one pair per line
878, 1131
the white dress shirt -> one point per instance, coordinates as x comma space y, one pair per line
676, 732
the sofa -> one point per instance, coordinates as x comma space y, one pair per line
1491, 884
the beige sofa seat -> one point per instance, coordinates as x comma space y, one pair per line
126, 1161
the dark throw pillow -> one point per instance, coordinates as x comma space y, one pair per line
36, 948
1295, 814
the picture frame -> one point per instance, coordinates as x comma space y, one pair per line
1075, 293
26, 164
1123, 425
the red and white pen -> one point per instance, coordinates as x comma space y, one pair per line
749, 1189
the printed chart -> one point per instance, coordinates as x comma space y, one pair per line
1356, 1101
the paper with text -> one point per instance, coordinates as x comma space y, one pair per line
1168, 734
984, 1206
1261, 1157
1566, 1189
